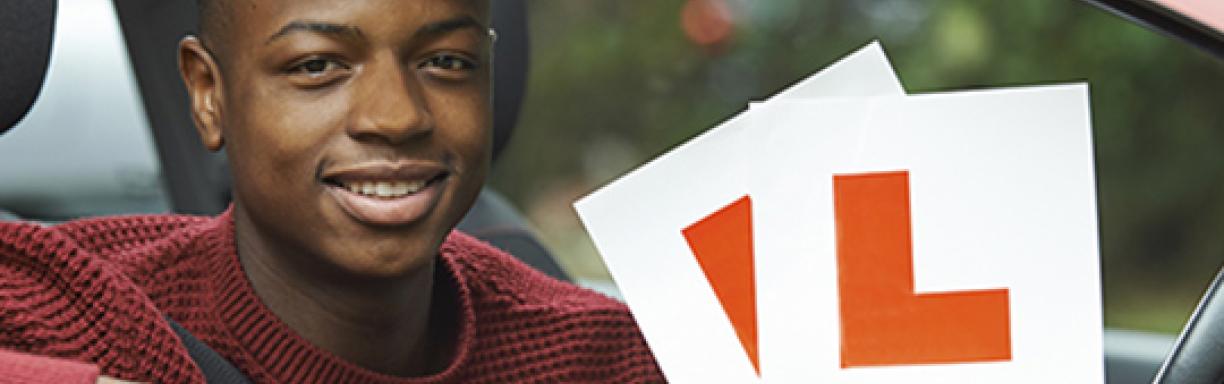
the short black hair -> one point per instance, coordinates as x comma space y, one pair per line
212, 18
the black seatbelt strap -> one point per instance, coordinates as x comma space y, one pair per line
217, 370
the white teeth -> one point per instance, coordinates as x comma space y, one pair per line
414, 186
385, 189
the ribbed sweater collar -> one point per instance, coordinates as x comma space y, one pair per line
284, 355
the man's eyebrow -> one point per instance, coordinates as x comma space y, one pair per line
318, 27
449, 25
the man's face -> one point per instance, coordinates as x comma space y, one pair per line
358, 131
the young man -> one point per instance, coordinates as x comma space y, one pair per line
358, 134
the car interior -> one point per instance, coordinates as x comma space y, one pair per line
166, 169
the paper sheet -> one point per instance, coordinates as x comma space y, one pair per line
636, 223
1001, 195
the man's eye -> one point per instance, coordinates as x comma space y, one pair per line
449, 66
315, 67
317, 72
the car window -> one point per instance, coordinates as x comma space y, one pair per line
615, 83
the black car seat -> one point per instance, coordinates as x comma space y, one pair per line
197, 180
26, 27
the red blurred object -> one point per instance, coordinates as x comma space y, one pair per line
707, 23
1208, 12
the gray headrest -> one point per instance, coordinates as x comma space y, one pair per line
510, 71
26, 28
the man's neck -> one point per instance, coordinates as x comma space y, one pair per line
382, 325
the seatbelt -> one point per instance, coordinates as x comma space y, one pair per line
217, 370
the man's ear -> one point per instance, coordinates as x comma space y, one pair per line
203, 79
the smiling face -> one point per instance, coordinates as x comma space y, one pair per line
358, 132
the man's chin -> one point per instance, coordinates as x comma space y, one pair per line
384, 262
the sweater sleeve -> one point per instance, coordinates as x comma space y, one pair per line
59, 300
21, 368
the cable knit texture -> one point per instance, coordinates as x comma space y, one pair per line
96, 291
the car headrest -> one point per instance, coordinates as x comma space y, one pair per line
510, 55
26, 28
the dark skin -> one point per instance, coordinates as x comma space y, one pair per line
312, 98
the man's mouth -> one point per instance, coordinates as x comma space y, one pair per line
387, 193
387, 189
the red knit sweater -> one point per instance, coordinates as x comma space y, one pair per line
96, 291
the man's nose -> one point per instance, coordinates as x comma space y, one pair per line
389, 104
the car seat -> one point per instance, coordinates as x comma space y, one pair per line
26, 26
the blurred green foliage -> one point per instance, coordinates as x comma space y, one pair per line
616, 82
